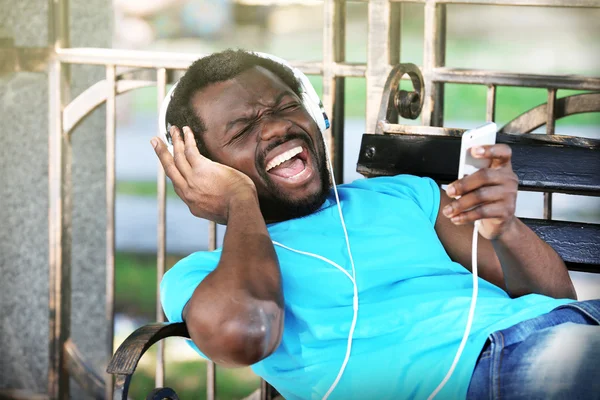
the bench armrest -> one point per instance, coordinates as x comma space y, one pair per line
129, 353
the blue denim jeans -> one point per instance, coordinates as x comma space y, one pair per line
553, 356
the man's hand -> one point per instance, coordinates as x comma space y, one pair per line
514, 257
488, 195
208, 188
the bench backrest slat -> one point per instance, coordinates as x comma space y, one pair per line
577, 243
540, 166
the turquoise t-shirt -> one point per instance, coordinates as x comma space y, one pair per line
413, 299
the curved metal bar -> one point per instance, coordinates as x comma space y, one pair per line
129, 353
538, 116
395, 101
92, 98
87, 377
131, 350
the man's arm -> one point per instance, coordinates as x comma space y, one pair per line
235, 315
510, 255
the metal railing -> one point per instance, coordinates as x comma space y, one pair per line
383, 52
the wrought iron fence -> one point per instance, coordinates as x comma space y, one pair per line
383, 52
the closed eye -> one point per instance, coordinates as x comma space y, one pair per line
289, 106
246, 129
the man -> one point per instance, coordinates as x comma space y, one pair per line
279, 294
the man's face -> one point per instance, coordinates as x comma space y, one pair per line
256, 124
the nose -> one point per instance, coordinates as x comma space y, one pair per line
273, 127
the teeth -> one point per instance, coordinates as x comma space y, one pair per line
283, 157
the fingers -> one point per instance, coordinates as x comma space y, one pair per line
166, 159
488, 195
500, 154
496, 210
483, 177
192, 154
179, 152
482, 196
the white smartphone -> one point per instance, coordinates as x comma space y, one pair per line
483, 135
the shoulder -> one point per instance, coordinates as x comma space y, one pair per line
194, 263
424, 192
409, 185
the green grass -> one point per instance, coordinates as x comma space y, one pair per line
135, 283
143, 188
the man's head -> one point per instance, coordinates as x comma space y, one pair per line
246, 112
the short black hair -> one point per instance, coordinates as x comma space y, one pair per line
217, 67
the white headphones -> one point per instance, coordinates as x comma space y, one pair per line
308, 95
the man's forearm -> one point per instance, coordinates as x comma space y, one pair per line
236, 314
530, 265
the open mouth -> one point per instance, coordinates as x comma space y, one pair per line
291, 164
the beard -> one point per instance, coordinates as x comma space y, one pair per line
279, 206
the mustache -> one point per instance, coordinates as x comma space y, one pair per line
291, 136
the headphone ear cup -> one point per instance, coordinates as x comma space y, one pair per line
315, 112
163, 124
166, 137
311, 101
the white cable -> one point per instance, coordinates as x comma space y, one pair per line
355, 309
351, 277
355, 296
328, 261
470, 317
